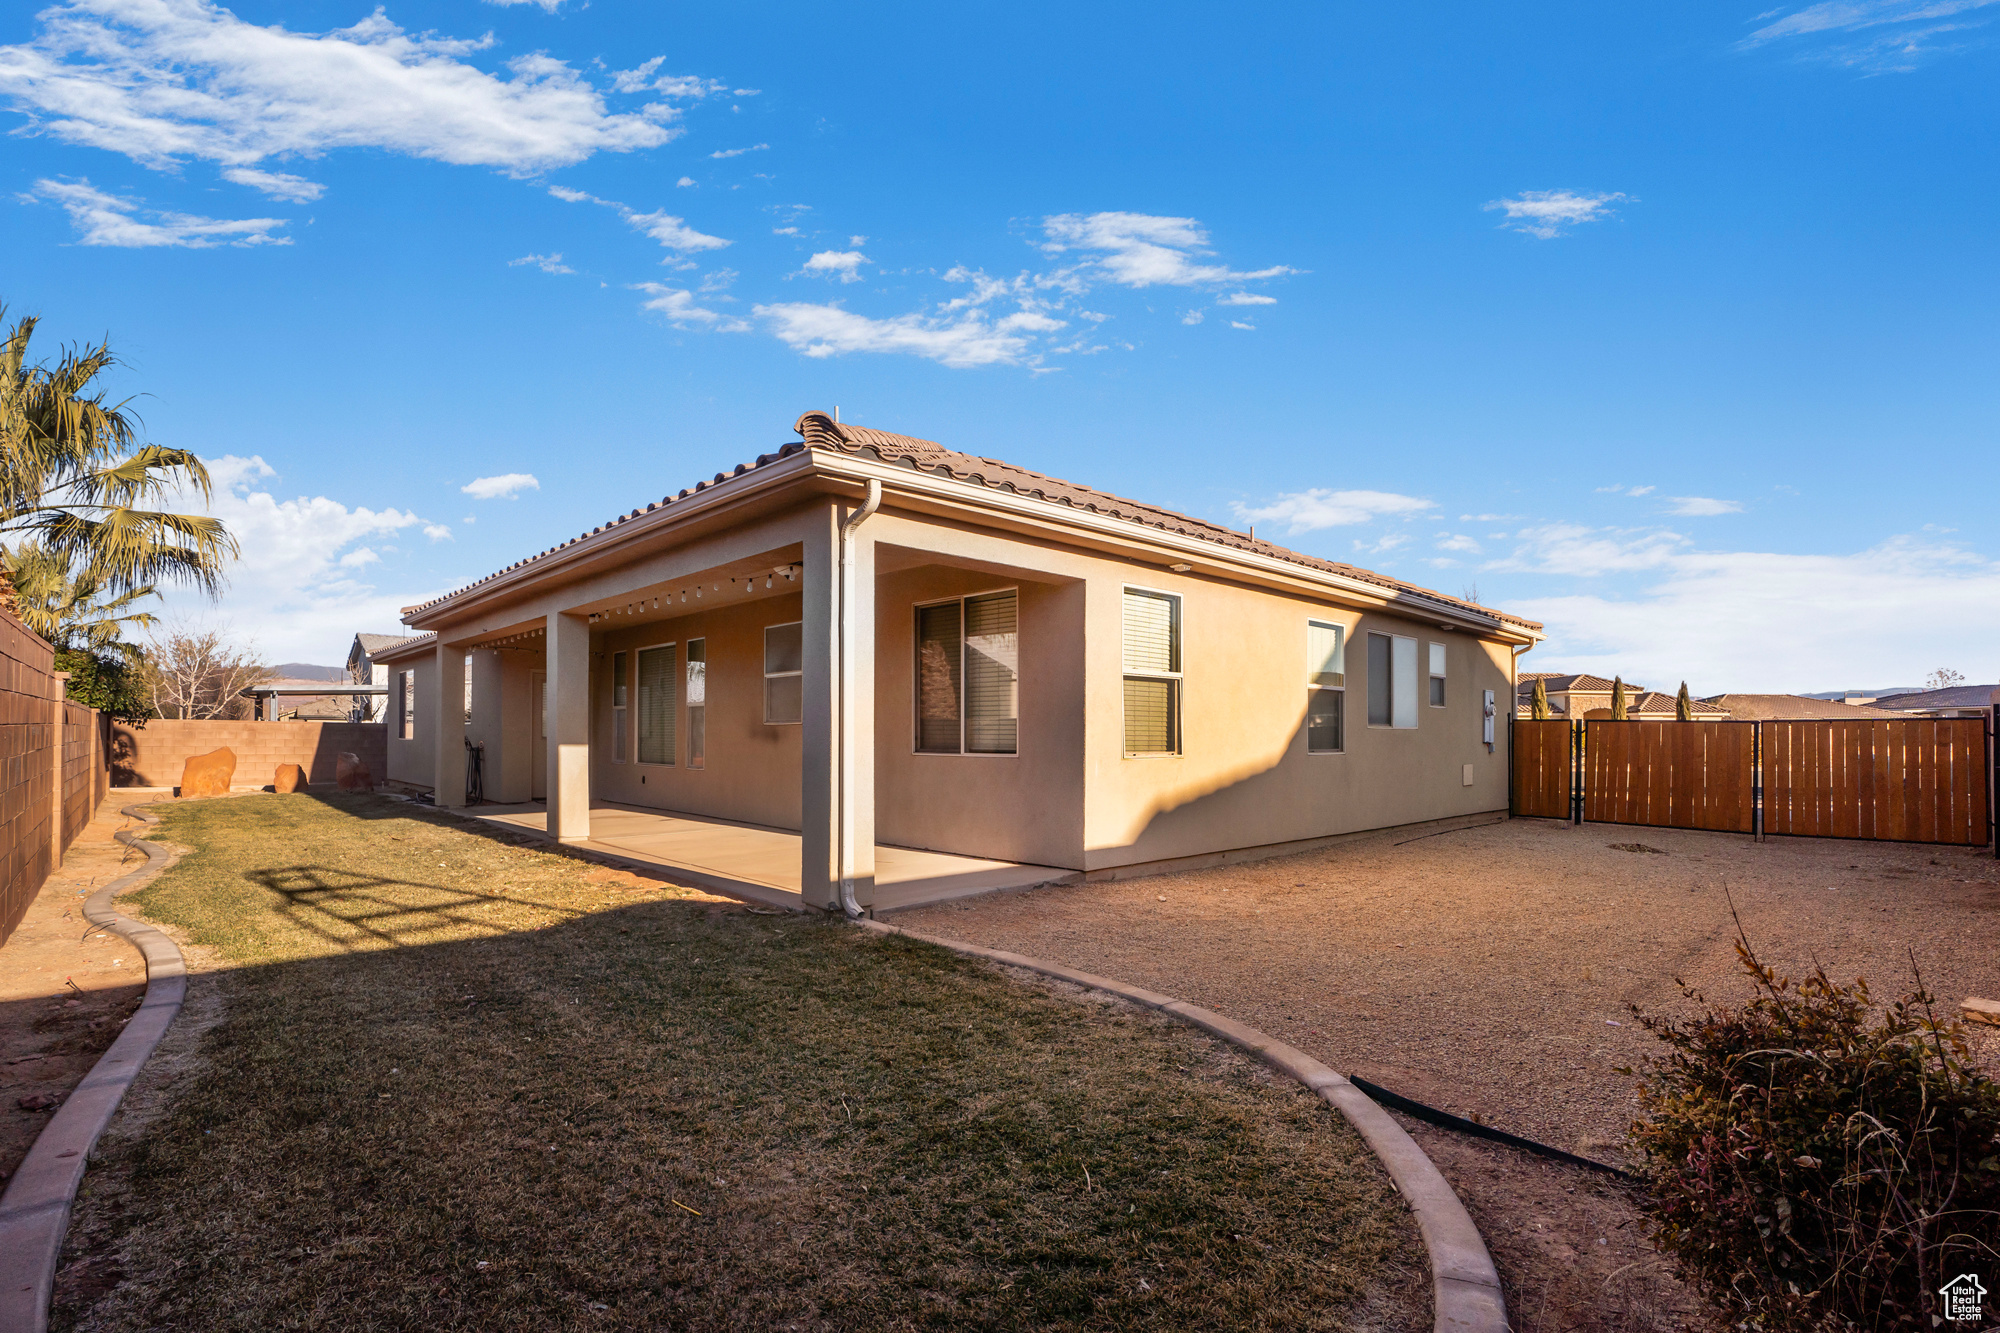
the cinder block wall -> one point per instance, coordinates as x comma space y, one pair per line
153, 754
27, 787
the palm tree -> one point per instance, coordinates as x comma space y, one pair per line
73, 480
73, 612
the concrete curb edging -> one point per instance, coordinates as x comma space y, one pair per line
1465, 1286
35, 1210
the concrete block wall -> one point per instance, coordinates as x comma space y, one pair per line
27, 787
153, 754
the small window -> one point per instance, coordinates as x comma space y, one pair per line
968, 675
697, 703
1152, 643
618, 711
1392, 681
657, 704
784, 679
1326, 688
1437, 675
406, 698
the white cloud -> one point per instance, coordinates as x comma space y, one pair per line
1700, 506
1142, 250
291, 189
1193, 317
503, 487
1754, 621
1626, 490
1246, 298
1309, 511
738, 152
1911, 25
440, 532
1545, 213
1569, 548
1487, 518
856, 242
1382, 546
967, 339
1641, 490
669, 231
298, 592
103, 219
680, 310
1458, 542
162, 81
546, 263
550, 6
845, 265
684, 181
1239, 324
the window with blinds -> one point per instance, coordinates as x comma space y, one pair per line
1437, 675
697, 703
1326, 692
968, 672
784, 674
656, 704
618, 713
1392, 681
1152, 647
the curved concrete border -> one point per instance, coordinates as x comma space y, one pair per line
34, 1212
1465, 1286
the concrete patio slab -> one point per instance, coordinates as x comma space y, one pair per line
761, 863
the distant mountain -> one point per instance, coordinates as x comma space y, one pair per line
1884, 692
307, 671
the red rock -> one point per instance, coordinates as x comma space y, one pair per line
209, 774
350, 774
290, 778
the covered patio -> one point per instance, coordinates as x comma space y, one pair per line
762, 864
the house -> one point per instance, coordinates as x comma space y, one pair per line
363, 669
287, 700
1789, 707
875, 641
1958, 701
1575, 696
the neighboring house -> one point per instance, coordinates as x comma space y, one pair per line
1958, 701
363, 669
285, 700
1788, 707
1585, 696
870, 638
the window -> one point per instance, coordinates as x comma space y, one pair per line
406, 699
697, 703
784, 681
1152, 672
617, 708
1326, 688
656, 704
968, 675
1392, 681
1437, 675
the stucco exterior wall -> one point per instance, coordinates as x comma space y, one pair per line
413, 760
153, 754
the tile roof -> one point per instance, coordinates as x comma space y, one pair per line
1958, 696
370, 643
1758, 707
1585, 683
820, 431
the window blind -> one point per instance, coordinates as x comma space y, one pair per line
656, 705
938, 678
992, 674
1149, 715
1406, 682
1437, 675
1151, 641
1325, 655
1379, 683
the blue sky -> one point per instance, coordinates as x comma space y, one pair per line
1671, 326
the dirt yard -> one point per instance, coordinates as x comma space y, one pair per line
1489, 971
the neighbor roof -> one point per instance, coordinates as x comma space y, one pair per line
1958, 696
374, 643
1582, 683
1759, 707
820, 431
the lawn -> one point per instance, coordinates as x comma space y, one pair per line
455, 1080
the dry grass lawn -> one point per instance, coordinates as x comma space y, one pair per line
437, 1079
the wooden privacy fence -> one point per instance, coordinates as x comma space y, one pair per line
1906, 780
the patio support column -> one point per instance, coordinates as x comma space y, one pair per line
568, 663
448, 772
837, 777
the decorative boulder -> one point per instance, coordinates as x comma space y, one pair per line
290, 778
350, 774
209, 774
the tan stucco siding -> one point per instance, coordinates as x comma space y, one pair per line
413, 760
752, 767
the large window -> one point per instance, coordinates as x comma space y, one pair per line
1392, 681
618, 713
968, 675
1326, 688
784, 678
1437, 675
656, 704
697, 703
1152, 672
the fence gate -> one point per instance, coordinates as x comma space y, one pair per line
1903, 780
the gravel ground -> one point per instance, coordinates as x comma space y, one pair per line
1487, 971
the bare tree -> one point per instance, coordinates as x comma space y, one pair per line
1943, 679
189, 672
1470, 593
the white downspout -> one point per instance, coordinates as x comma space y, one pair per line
843, 714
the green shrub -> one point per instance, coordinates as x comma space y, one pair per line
1813, 1165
